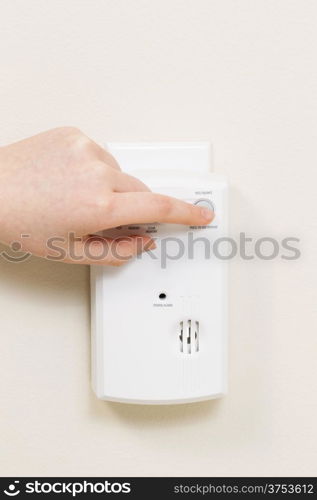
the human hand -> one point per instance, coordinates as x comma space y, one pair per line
60, 182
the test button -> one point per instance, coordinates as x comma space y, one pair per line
204, 202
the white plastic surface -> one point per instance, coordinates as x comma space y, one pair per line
152, 350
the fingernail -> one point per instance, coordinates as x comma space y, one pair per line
207, 214
151, 246
146, 246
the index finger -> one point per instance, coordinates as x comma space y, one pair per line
143, 207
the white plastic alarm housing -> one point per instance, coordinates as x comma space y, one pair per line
159, 323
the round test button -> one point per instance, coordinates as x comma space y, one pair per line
203, 202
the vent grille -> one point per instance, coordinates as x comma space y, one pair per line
189, 336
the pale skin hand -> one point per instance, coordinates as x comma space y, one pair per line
61, 182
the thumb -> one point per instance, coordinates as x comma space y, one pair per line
109, 251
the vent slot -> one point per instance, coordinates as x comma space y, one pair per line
181, 336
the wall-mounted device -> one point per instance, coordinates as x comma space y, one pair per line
159, 323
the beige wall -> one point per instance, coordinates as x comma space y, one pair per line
243, 74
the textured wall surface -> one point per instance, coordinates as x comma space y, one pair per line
243, 74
